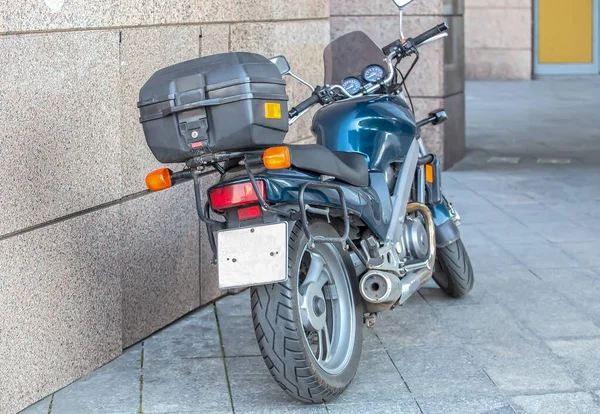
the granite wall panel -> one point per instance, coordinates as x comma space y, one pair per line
161, 260
36, 15
60, 307
59, 125
498, 39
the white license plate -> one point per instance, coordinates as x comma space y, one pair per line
252, 255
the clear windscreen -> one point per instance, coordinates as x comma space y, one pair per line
349, 55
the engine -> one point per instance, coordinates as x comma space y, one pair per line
415, 239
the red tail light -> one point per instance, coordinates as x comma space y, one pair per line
235, 195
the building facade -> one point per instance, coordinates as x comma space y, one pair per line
521, 39
91, 262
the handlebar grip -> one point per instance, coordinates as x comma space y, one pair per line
440, 28
302, 106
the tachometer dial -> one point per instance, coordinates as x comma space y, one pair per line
352, 85
373, 73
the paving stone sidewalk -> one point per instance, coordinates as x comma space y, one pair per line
526, 340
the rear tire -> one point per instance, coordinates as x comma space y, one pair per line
283, 325
453, 270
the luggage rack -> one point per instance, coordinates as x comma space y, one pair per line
305, 208
301, 214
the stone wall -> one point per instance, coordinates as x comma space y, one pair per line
91, 262
498, 39
438, 79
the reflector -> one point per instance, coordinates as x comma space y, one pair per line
429, 173
246, 213
236, 195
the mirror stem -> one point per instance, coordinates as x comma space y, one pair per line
401, 28
301, 80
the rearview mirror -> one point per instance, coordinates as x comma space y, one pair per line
402, 3
282, 64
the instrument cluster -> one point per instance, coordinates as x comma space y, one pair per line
371, 74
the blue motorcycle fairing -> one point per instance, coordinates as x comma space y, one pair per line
382, 128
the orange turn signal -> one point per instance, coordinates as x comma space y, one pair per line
277, 158
159, 179
429, 173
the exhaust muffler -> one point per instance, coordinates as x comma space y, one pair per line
385, 288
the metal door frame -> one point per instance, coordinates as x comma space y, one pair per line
568, 68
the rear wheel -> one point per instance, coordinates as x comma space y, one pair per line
309, 328
453, 270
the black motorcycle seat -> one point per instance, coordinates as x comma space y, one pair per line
349, 167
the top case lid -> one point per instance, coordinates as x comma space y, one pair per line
206, 74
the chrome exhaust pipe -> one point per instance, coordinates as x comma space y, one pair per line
419, 273
381, 287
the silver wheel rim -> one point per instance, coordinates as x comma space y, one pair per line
326, 305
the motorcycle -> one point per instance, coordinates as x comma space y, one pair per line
326, 235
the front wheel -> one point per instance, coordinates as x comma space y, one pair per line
309, 328
453, 270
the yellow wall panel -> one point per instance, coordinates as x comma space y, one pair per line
565, 31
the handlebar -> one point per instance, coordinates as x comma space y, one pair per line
304, 105
429, 34
398, 49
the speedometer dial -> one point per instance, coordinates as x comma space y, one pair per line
373, 73
352, 85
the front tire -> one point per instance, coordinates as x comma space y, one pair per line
453, 270
309, 328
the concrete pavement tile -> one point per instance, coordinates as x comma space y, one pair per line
533, 213
483, 324
194, 336
185, 385
252, 386
400, 405
416, 299
40, 407
550, 316
235, 305
541, 256
465, 404
583, 252
238, 336
484, 258
436, 297
376, 381
416, 326
583, 358
307, 409
580, 286
519, 366
505, 198
502, 234
578, 402
441, 370
471, 235
113, 388
483, 213
562, 232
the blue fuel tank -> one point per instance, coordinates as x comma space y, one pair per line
380, 127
